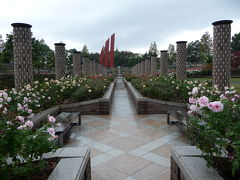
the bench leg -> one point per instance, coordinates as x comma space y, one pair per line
168, 118
79, 120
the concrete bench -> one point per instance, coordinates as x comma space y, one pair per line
75, 164
67, 121
180, 115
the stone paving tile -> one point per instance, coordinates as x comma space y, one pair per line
163, 151
99, 134
95, 176
151, 172
166, 175
108, 140
94, 152
126, 144
128, 164
95, 123
107, 172
99, 159
157, 159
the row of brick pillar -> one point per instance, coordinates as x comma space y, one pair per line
221, 71
149, 66
23, 67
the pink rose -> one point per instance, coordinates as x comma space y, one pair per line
51, 131
216, 106
29, 124
20, 118
193, 108
192, 100
194, 91
223, 97
52, 138
203, 101
51, 119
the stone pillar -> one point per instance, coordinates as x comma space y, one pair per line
143, 67
92, 67
23, 68
147, 66
86, 66
164, 63
221, 53
119, 71
96, 68
99, 68
76, 64
139, 68
153, 65
181, 59
60, 60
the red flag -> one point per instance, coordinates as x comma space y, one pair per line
106, 52
112, 50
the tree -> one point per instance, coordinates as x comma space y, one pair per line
70, 56
193, 52
7, 51
172, 54
206, 48
235, 43
153, 49
42, 55
85, 52
1, 43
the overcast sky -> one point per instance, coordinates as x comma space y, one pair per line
136, 23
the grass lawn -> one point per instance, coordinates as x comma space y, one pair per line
234, 81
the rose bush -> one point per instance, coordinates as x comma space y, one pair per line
19, 143
214, 123
164, 88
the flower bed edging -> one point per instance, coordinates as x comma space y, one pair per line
99, 106
144, 105
187, 164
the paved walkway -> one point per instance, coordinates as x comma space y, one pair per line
125, 145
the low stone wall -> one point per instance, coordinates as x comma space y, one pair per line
99, 106
146, 105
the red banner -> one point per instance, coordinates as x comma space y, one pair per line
106, 54
112, 50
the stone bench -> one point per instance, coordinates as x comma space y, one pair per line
67, 121
187, 164
74, 164
181, 119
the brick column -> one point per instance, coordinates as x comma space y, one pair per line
143, 67
153, 65
76, 64
147, 66
22, 48
92, 67
60, 60
221, 53
164, 63
86, 66
96, 68
181, 59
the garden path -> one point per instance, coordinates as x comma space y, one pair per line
125, 145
